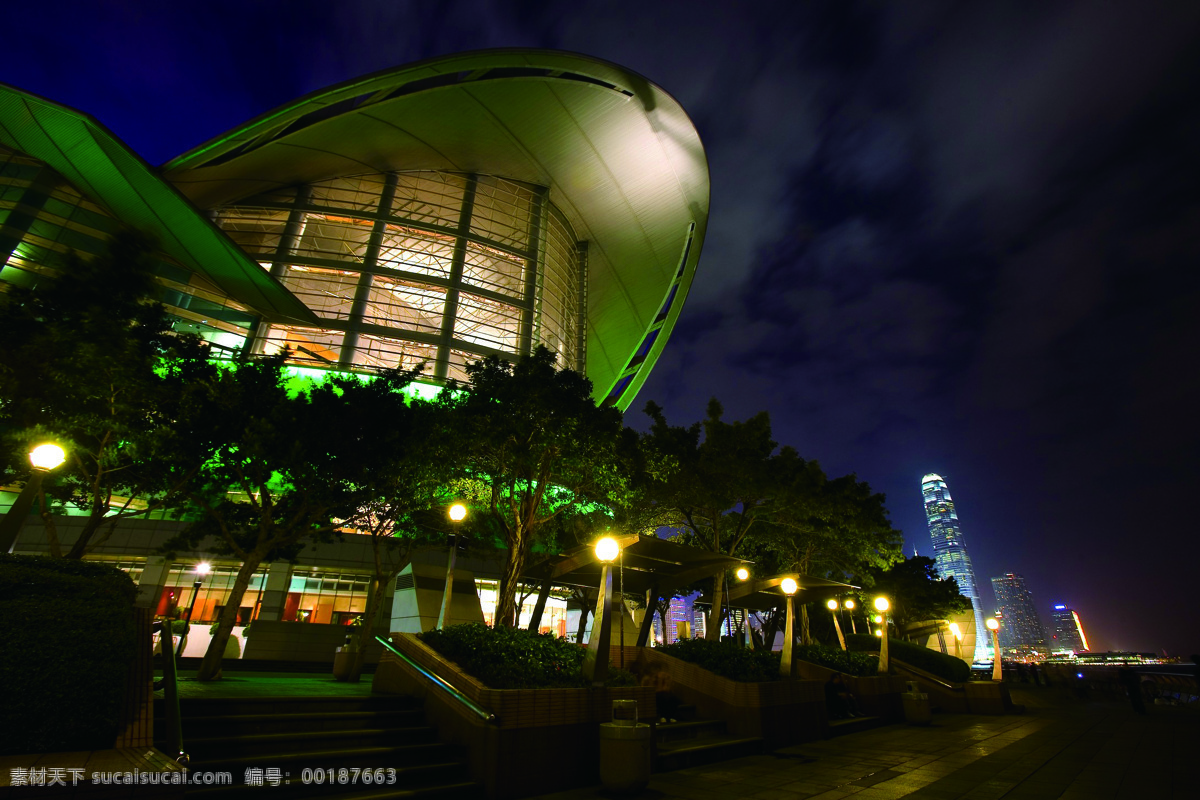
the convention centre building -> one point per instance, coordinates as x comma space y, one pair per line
469, 205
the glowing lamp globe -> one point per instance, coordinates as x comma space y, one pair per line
879, 633
878, 618
458, 512
742, 573
954, 629
789, 586
203, 568
849, 604
47, 456
993, 624
607, 549
881, 604
831, 605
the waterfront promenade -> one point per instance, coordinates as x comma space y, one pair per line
1061, 747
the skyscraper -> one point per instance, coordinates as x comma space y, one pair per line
1021, 629
950, 552
1066, 631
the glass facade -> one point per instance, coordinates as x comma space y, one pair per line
43, 218
1020, 629
416, 267
1066, 631
950, 553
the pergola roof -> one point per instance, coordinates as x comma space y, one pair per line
647, 561
765, 594
619, 155
103, 168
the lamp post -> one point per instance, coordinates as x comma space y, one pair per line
957, 639
202, 569
457, 513
595, 661
849, 604
43, 458
997, 667
882, 605
786, 665
832, 605
743, 574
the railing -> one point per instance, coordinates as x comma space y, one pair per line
171, 694
441, 683
927, 676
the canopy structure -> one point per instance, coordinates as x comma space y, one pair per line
648, 563
618, 155
765, 594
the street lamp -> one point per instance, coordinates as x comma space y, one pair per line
849, 604
202, 569
786, 665
832, 605
743, 574
43, 458
882, 605
997, 668
595, 661
957, 639
457, 513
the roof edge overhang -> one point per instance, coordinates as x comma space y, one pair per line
97, 163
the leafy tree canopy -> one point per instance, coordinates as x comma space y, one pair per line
917, 592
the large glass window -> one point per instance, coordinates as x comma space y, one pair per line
509, 254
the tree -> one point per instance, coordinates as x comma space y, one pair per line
535, 446
287, 466
88, 363
725, 483
917, 593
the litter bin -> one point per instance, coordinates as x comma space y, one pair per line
916, 708
343, 662
625, 750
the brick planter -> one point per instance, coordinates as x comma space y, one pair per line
878, 696
781, 712
560, 725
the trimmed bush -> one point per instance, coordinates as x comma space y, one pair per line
847, 661
68, 634
727, 659
512, 658
946, 667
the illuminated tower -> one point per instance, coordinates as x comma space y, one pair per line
1022, 629
1066, 631
950, 552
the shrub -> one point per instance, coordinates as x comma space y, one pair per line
512, 658
945, 667
846, 661
69, 642
727, 659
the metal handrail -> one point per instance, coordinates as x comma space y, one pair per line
171, 692
928, 676
440, 682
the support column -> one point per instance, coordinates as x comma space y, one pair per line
275, 592
152, 582
442, 367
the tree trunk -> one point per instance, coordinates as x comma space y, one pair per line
366, 632
712, 630
805, 635
539, 608
648, 617
79, 549
210, 667
49, 526
770, 629
584, 613
507, 613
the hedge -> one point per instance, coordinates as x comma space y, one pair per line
514, 658
946, 667
847, 661
69, 642
727, 659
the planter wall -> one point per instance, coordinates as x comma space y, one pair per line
781, 712
878, 696
560, 725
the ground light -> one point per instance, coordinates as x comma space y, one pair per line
786, 664
43, 458
457, 513
997, 666
595, 661
832, 605
882, 605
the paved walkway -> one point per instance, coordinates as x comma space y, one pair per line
1098, 749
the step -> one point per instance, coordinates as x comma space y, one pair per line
271, 743
687, 730
226, 725
190, 707
844, 727
699, 752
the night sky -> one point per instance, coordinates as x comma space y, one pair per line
960, 238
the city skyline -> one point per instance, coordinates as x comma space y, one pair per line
1021, 626
950, 553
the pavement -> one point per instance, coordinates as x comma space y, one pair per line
1059, 748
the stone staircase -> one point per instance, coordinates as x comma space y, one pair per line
691, 742
306, 742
